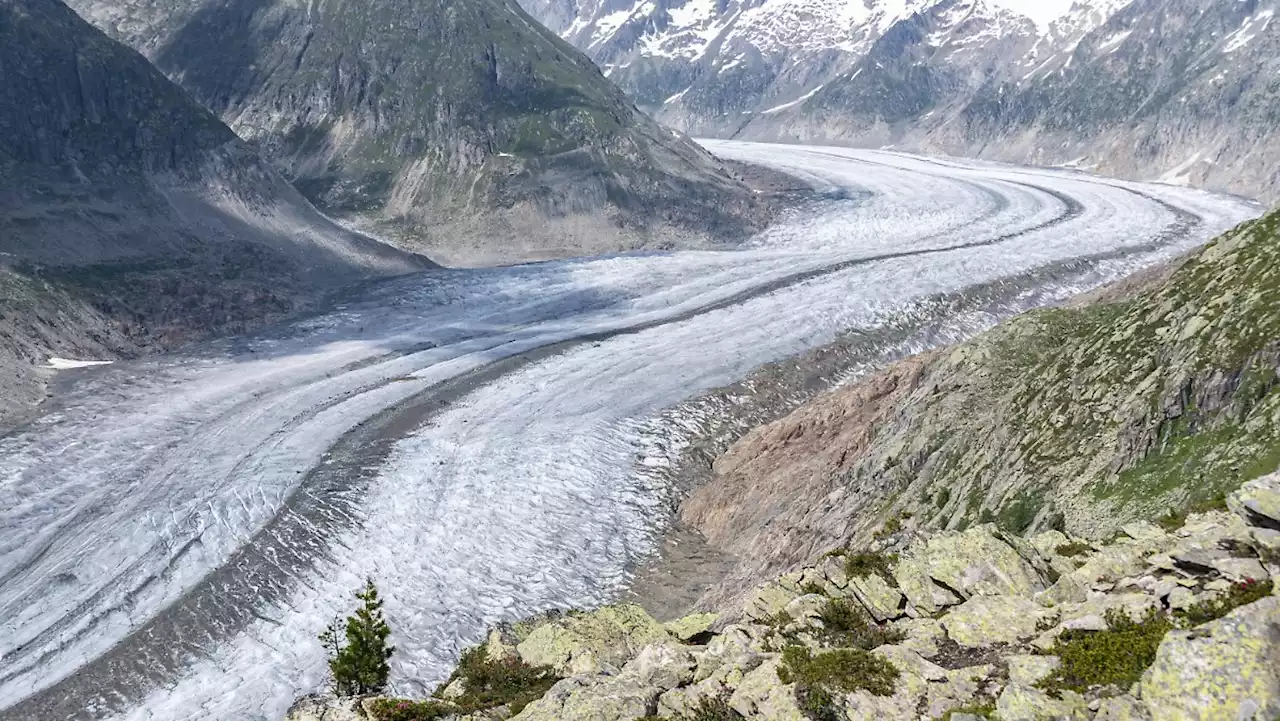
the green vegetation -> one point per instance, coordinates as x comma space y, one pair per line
715, 708
1073, 549
942, 499
846, 623
842, 670
358, 649
1175, 518
982, 708
489, 683
1017, 515
863, 564
1115, 657
1241, 594
398, 709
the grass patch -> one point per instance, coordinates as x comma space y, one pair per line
715, 708
1115, 657
843, 670
1241, 594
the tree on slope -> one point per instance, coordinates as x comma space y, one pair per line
358, 649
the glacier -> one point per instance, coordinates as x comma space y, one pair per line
177, 530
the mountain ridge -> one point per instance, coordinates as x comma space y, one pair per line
1176, 91
441, 126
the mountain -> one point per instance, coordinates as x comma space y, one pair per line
132, 217
1159, 394
1176, 90
464, 130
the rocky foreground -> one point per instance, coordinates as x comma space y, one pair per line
1172, 621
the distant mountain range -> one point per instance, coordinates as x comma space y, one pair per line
463, 130
1178, 90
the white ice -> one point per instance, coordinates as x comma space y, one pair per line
62, 364
522, 496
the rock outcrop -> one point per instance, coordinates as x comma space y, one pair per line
1014, 637
1087, 418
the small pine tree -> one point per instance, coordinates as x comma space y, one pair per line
358, 649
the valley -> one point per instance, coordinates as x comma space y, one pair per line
185, 525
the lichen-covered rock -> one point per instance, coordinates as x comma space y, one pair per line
988, 620
977, 563
326, 708
1121, 708
1258, 502
922, 635
1028, 670
1134, 605
806, 607
833, 569
593, 698
961, 688
762, 695
691, 626
1225, 669
733, 647
1024, 703
769, 601
585, 643
665, 666
912, 577
875, 594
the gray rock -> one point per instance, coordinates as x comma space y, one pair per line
1225, 669
1258, 502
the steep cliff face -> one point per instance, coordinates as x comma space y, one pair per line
130, 216
1179, 90
439, 123
1160, 396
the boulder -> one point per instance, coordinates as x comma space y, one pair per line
762, 695
1028, 670
912, 577
988, 620
1121, 708
689, 627
875, 594
593, 698
665, 666
976, 563
769, 601
733, 647
1258, 502
326, 708
1024, 703
1227, 669
833, 569
922, 635
587, 643
807, 607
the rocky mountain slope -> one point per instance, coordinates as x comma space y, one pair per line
1180, 90
1176, 623
465, 130
1159, 394
131, 217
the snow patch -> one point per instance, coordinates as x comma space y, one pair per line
62, 364
793, 103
